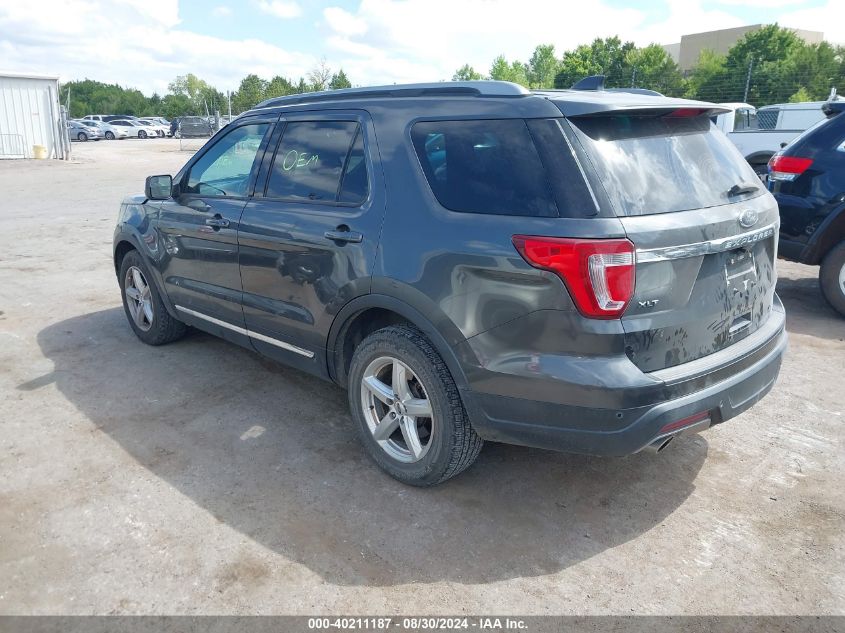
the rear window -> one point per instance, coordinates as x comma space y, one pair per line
662, 164
484, 166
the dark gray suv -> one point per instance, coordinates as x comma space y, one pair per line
585, 271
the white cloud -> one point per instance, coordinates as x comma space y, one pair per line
385, 41
341, 21
221, 11
427, 40
827, 18
137, 44
280, 8
761, 4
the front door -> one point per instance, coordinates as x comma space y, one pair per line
199, 227
309, 240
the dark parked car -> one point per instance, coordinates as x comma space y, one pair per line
808, 181
194, 127
586, 271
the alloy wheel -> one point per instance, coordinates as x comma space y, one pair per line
138, 298
397, 409
842, 279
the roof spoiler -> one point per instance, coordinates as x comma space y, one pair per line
593, 82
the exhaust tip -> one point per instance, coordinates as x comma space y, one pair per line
660, 444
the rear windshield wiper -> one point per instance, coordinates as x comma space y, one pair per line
741, 188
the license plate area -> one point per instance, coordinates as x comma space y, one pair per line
740, 273
740, 279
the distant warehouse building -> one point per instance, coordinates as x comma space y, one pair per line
30, 117
686, 52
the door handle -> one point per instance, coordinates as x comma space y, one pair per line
343, 234
217, 222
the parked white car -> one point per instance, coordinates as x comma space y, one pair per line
155, 129
134, 129
758, 142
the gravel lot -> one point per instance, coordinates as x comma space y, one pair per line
201, 478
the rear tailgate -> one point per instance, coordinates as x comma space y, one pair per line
704, 229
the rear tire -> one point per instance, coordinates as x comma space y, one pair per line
144, 308
832, 278
421, 450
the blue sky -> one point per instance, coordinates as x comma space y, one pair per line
146, 43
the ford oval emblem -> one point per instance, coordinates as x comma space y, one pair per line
748, 218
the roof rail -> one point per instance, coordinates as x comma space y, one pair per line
482, 88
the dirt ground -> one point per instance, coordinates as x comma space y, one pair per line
200, 478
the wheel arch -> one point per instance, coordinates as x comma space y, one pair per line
366, 314
124, 243
121, 248
830, 233
759, 158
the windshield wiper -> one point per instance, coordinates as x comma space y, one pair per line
741, 188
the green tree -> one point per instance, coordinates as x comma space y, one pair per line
652, 67
811, 70
278, 87
176, 105
543, 67
203, 96
339, 80
760, 55
320, 75
249, 93
607, 57
503, 71
466, 73
708, 78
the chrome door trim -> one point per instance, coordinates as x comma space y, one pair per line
246, 332
705, 248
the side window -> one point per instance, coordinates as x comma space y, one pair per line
484, 166
355, 185
310, 161
225, 168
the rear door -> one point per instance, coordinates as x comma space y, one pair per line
703, 225
308, 238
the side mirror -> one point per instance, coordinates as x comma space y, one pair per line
158, 187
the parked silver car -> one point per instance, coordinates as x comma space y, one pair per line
110, 132
83, 132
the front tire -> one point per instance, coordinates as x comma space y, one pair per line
142, 134
407, 408
143, 306
82, 136
832, 277
109, 136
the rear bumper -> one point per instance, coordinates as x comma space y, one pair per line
723, 392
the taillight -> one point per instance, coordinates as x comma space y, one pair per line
788, 168
599, 274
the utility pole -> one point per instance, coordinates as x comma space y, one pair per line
748, 80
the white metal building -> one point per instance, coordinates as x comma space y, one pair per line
30, 115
